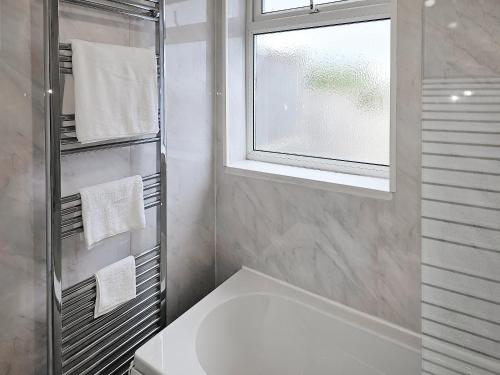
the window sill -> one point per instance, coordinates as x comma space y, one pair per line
372, 187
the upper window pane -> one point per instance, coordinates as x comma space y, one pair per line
324, 92
277, 5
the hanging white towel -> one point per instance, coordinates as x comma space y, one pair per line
112, 208
116, 92
115, 285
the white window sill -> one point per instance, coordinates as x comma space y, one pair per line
373, 187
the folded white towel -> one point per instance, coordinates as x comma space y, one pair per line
115, 285
112, 208
116, 92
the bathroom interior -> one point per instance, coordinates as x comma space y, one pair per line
250, 187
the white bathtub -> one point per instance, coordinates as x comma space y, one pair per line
255, 325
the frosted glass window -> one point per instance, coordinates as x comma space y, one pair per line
324, 92
277, 5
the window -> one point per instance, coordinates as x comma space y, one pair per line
279, 5
319, 85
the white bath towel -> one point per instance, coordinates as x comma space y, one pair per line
116, 92
115, 285
112, 208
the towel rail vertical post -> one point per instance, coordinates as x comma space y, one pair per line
162, 160
53, 185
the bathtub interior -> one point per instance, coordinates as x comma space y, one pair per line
263, 334
254, 324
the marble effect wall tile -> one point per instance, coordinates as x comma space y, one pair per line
22, 190
190, 153
361, 252
464, 39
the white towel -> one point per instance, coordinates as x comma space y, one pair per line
112, 208
115, 285
116, 92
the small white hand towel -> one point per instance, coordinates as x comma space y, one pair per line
116, 92
115, 285
112, 208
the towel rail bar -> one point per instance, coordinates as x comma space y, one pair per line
65, 46
152, 186
68, 129
152, 195
65, 58
105, 146
76, 197
130, 10
71, 221
70, 210
68, 117
72, 232
136, 4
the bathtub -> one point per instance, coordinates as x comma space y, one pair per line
256, 325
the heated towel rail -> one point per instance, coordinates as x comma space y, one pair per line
78, 343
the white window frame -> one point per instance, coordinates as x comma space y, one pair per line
343, 12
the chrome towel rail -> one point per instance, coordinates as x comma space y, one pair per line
78, 343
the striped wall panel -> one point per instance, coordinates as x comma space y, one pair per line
461, 226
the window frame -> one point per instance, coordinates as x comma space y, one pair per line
337, 13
